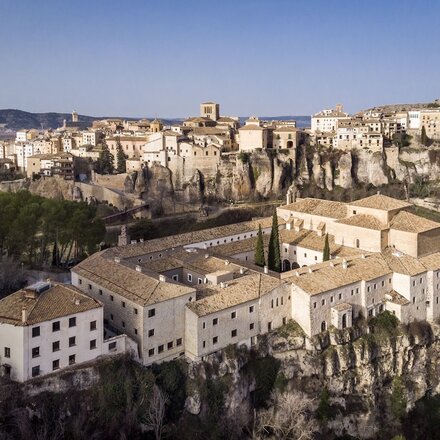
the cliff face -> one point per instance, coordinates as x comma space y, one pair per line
359, 374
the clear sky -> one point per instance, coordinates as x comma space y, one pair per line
164, 57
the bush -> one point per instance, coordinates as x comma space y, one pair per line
265, 371
385, 324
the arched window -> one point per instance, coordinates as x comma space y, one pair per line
323, 326
357, 242
344, 320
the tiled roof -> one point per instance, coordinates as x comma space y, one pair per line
402, 263
363, 221
139, 287
320, 207
408, 222
244, 289
332, 275
379, 201
432, 261
397, 298
204, 235
251, 127
56, 302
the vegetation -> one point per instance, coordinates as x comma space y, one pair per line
326, 251
273, 256
259, 250
8, 175
384, 325
39, 231
324, 411
121, 159
244, 157
424, 139
398, 398
104, 164
401, 140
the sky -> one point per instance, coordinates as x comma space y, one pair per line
162, 58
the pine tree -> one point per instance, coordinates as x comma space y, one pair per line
104, 165
273, 256
121, 159
259, 250
424, 137
326, 252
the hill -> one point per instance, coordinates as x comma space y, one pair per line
405, 107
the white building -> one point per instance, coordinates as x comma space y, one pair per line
47, 327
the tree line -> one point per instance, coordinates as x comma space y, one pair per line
37, 231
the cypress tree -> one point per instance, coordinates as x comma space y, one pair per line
424, 137
121, 159
274, 257
259, 250
104, 164
326, 252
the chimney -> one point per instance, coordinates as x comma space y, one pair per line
223, 285
76, 301
241, 270
289, 226
141, 240
226, 262
378, 193
117, 260
266, 269
363, 256
344, 264
138, 268
162, 278
24, 315
310, 270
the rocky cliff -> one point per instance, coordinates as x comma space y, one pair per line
361, 382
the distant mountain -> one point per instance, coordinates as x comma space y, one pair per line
18, 119
12, 120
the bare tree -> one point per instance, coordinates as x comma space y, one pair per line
289, 418
154, 419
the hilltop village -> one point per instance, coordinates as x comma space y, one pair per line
190, 295
204, 144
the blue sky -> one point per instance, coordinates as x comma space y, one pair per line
164, 57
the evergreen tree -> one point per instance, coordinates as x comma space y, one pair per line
273, 256
104, 165
424, 137
121, 159
259, 250
326, 252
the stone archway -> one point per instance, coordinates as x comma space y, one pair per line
289, 144
286, 265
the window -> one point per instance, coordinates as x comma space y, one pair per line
215, 321
368, 288
383, 283
331, 299
80, 280
340, 296
123, 324
199, 281
233, 333
55, 365
190, 277
179, 342
112, 346
160, 349
90, 287
123, 304
56, 346
269, 326
215, 339
111, 316
323, 302
92, 325
151, 352
135, 331
92, 344
72, 341
414, 299
170, 345
271, 304
7, 352
314, 305
284, 321
151, 332
72, 359
175, 277
112, 298
251, 326
36, 371
204, 344
204, 325
56, 326
36, 352
100, 291
233, 315
151, 313
135, 311
35, 332
72, 322
251, 309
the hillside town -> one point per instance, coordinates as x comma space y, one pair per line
199, 143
